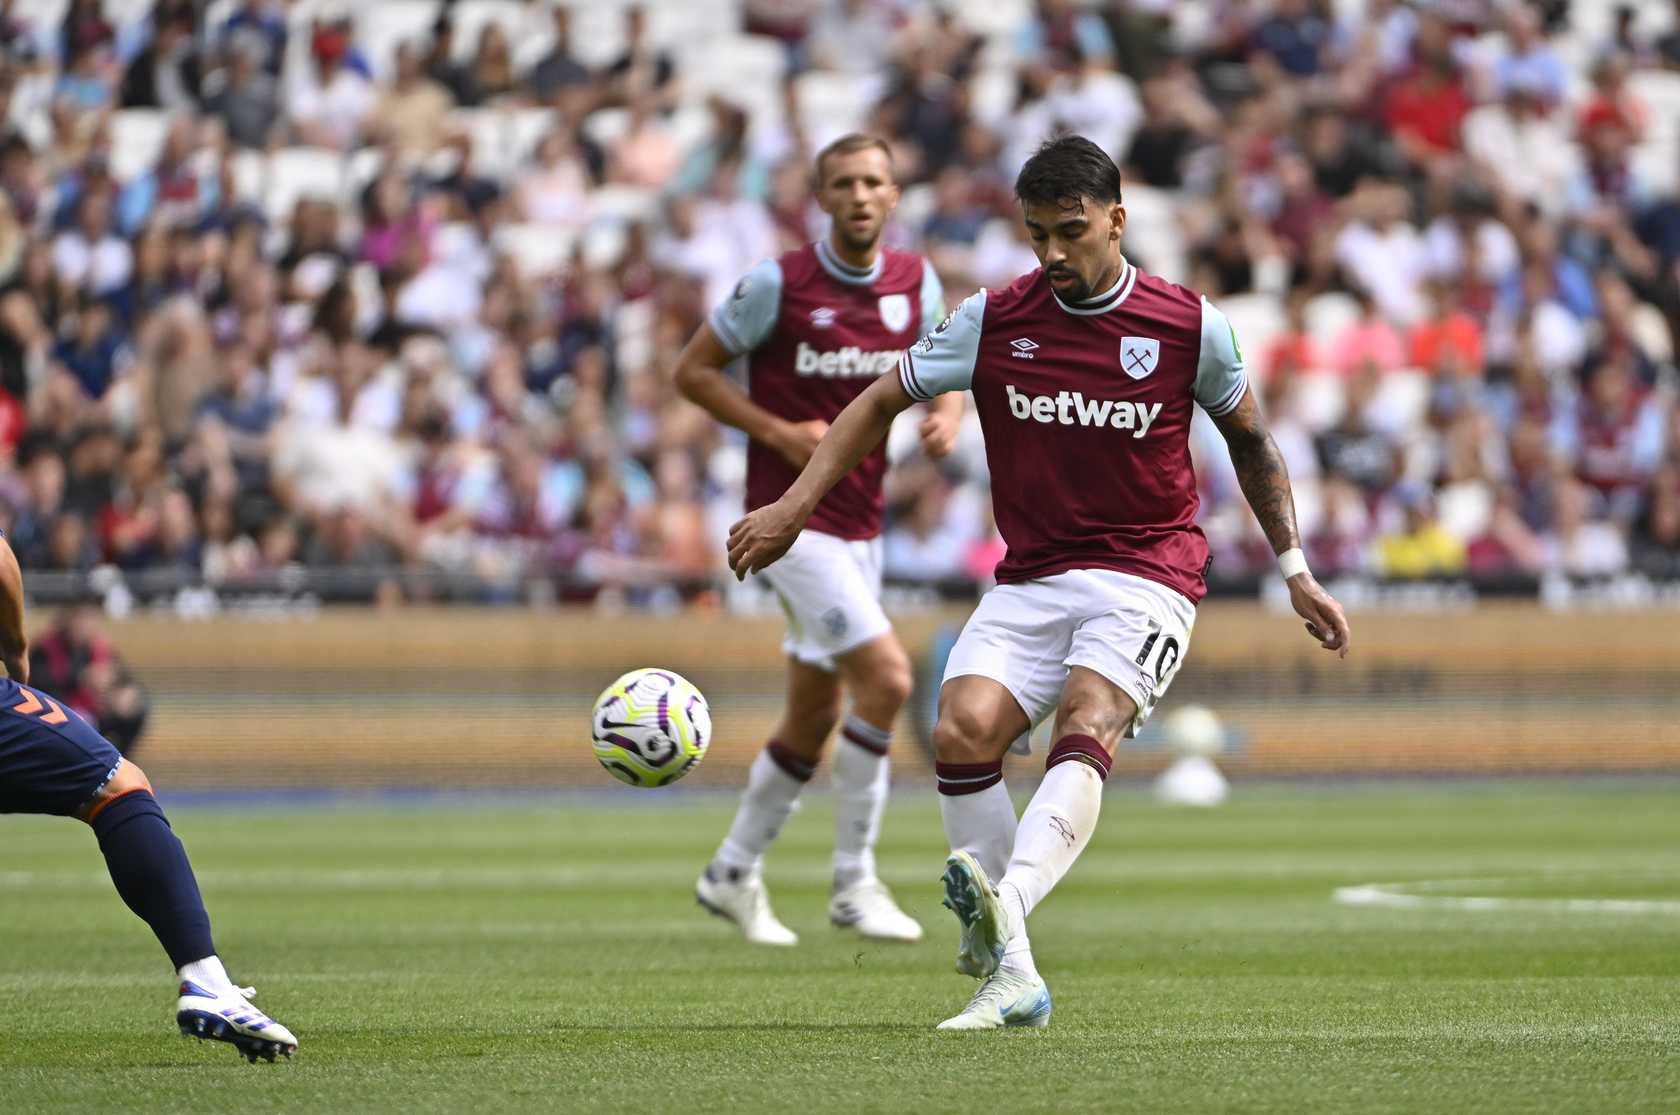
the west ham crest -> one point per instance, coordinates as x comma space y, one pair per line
895, 312
1138, 355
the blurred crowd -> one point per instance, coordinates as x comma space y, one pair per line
326, 287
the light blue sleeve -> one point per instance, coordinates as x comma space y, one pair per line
933, 299
1221, 379
745, 319
944, 359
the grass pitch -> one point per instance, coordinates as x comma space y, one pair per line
549, 956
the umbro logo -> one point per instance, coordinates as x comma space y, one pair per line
822, 317
1024, 348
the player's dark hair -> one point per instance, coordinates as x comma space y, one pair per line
849, 144
1064, 171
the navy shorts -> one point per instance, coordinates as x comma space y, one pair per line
51, 760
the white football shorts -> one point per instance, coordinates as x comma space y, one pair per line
830, 591
1026, 636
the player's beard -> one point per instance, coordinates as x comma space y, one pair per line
862, 243
1080, 291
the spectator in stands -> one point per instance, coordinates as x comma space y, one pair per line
1176, 120
1426, 111
244, 95
1620, 436
1369, 343
559, 79
1523, 145
643, 72
1448, 342
73, 660
1507, 545
327, 99
1419, 546
440, 64
1381, 251
90, 255
1656, 533
96, 353
259, 26
1353, 448
409, 114
352, 350
1578, 543
490, 76
167, 73
1294, 38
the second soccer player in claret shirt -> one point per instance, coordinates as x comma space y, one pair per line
816, 326
1085, 374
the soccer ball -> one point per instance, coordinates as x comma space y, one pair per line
650, 727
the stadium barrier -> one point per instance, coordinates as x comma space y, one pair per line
497, 698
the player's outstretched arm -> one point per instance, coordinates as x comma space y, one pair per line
1265, 483
942, 425
699, 376
765, 535
14, 643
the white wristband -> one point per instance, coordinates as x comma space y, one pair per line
1291, 562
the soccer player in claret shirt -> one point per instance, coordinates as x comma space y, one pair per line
817, 326
52, 761
1084, 374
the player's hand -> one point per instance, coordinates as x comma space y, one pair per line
1325, 619
939, 435
762, 537
798, 440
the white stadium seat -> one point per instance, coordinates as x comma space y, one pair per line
1402, 400
623, 203
832, 104
539, 251
1256, 318
524, 130
250, 175
136, 139
382, 27
1152, 229
1320, 399
298, 172
517, 20
1329, 313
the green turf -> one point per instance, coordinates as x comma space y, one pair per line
552, 958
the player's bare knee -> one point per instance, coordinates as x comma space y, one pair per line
805, 735
960, 737
128, 777
892, 682
1104, 720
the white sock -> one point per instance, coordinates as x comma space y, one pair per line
208, 974
1055, 828
765, 805
860, 793
981, 824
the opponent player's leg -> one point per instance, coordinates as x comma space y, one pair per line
877, 674
152, 875
732, 885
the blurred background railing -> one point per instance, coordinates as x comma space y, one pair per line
453, 698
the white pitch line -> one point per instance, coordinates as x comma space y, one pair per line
1397, 896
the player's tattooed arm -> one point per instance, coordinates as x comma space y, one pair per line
1265, 482
1261, 472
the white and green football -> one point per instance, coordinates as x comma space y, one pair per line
650, 727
